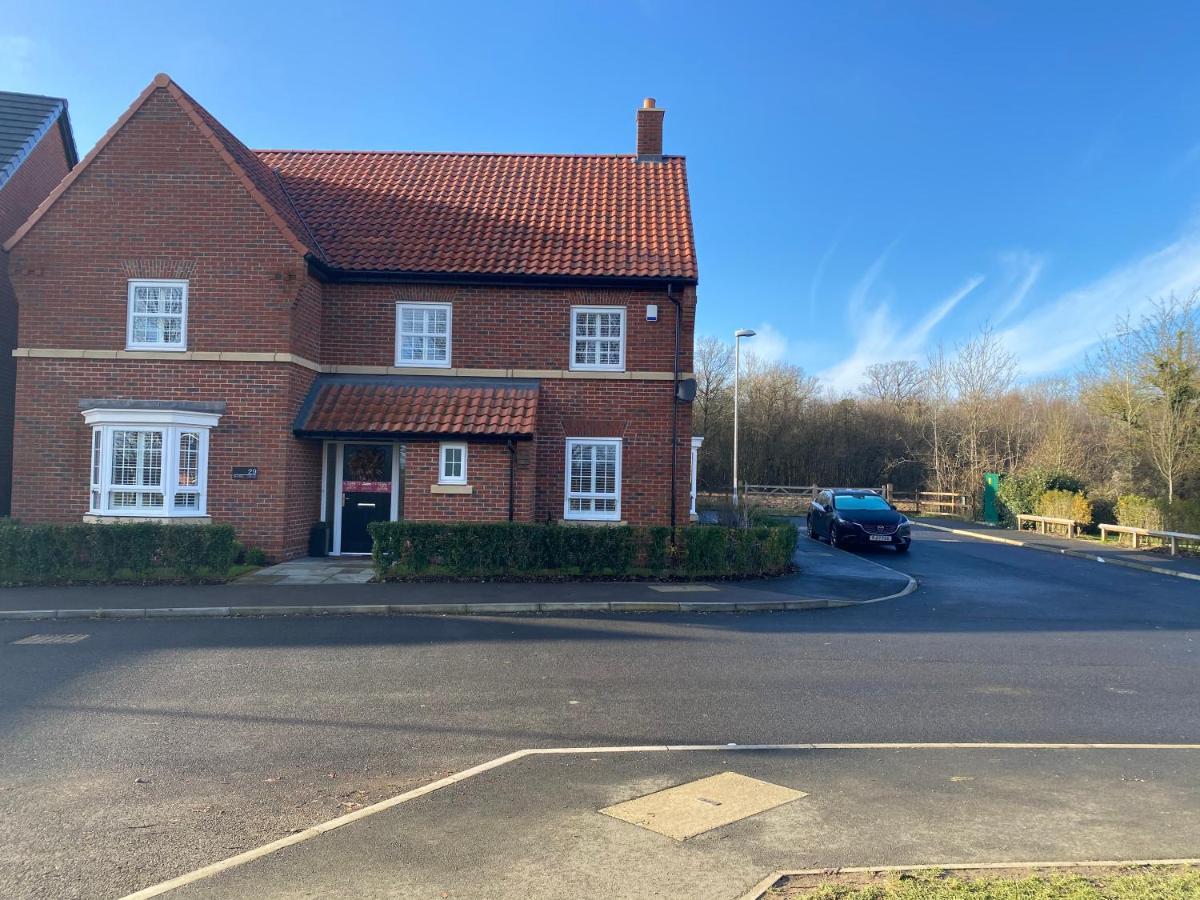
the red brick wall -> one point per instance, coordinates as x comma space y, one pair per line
499, 327
274, 512
638, 412
158, 201
35, 178
487, 473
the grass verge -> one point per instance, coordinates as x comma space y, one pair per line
1084, 883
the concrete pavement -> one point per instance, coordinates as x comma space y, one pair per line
860, 806
825, 578
152, 747
1111, 552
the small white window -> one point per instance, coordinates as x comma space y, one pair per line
149, 462
598, 338
423, 334
157, 315
452, 464
593, 479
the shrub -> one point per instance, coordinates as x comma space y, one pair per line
1139, 512
55, 554
255, 556
1183, 515
1065, 505
1019, 492
518, 550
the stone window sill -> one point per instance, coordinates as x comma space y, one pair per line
594, 523
96, 519
451, 489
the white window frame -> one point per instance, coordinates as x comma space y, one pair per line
568, 494
171, 424
425, 363
597, 367
130, 343
443, 478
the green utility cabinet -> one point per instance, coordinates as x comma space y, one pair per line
991, 511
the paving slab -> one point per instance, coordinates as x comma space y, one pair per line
534, 828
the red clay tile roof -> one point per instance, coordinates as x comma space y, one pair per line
590, 216
385, 405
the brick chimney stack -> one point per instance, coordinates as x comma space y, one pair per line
650, 132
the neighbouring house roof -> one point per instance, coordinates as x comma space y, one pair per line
383, 405
24, 120
483, 213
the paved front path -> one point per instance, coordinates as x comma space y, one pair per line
825, 575
532, 829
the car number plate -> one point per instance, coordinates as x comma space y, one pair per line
882, 537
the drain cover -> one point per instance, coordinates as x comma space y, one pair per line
52, 639
696, 807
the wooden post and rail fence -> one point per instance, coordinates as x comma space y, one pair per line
798, 498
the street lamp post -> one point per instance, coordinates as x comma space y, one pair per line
737, 368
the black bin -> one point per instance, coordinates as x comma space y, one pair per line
318, 539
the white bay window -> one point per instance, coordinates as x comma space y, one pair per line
149, 462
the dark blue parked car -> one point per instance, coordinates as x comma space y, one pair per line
844, 516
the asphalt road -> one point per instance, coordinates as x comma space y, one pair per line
152, 747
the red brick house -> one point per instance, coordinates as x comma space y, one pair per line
279, 338
37, 150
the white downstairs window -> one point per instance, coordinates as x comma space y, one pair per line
598, 338
452, 464
593, 479
157, 318
423, 334
149, 462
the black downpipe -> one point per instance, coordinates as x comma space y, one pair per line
675, 400
512, 477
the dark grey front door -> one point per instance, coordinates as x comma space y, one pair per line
366, 493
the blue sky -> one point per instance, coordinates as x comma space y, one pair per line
868, 178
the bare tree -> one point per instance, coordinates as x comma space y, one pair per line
900, 384
1168, 347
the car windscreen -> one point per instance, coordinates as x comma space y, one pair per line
855, 501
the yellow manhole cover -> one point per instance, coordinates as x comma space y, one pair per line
696, 807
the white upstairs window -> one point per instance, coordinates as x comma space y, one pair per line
423, 334
157, 318
452, 464
149, 462
593, 479
598, 338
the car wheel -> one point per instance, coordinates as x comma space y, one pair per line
902, 548
834, 540
812, 532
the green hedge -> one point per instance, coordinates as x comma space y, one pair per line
510, 550
61, 554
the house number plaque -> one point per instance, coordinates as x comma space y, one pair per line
245, 473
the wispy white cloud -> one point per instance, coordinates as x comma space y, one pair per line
814, 287
16, 61
768, 344
1024, 269
879, 337
1057, 334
